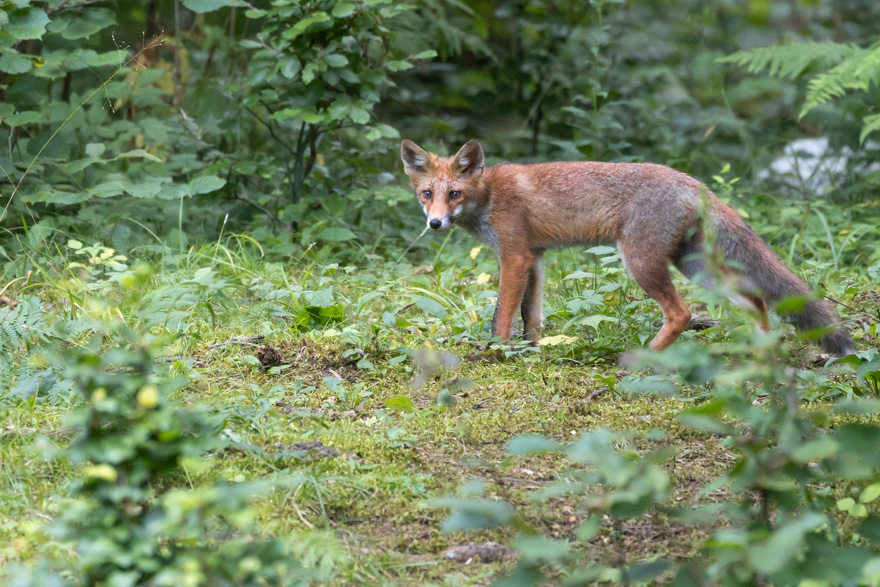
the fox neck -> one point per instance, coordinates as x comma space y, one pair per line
475, 218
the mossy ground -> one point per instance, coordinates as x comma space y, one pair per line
375, 492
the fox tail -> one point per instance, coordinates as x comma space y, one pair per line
764, 272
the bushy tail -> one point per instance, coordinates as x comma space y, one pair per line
743, 246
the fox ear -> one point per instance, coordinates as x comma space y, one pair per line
469, 160
416, 160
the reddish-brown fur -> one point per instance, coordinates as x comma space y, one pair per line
653, 213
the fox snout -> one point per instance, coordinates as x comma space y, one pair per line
439, 223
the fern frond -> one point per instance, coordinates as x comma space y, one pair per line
22, 325
870, 124
858, 72
852, 68
790, 61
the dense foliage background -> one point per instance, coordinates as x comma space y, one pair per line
211, 262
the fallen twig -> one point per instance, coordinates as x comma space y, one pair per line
242, 340
599, 391
829, 298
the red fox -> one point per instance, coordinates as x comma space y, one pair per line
653, 213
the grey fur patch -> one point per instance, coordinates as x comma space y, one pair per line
476, 222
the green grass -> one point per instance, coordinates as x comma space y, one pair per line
363, 514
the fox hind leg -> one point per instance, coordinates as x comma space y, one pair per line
531, 307
755, 305
651, 272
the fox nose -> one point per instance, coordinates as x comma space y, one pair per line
435, 224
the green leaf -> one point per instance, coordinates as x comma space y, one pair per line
398, 359
431, 307
589, 528
338, 109
596, 319
309, 73
430, 53
815, 450
206, 184
870, 124
529, 444
13, 62
364, 299
336, 234
445, 399
320, 315
95, 150
26, 23
290, 67
846, 504
22, 118
149, 187
137, 153
107, 189
401, 403
308, 116
358, 115
336, 60
792, 304
88, 22
397, 65
348, 75
870, 528
300, 27
342, 9
601, 250
389, 132
783, 545
211, 5
870, 493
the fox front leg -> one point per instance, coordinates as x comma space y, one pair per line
515, 270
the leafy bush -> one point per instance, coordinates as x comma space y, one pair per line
128, 517
782, 518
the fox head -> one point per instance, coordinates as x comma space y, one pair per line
445, 186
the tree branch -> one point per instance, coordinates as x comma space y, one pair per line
271, 131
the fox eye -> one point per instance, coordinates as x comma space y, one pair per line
426, 194
455, 194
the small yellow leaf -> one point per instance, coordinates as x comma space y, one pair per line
556, 340
99, 395
475, 251
483, 278
105, 472
148, 396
